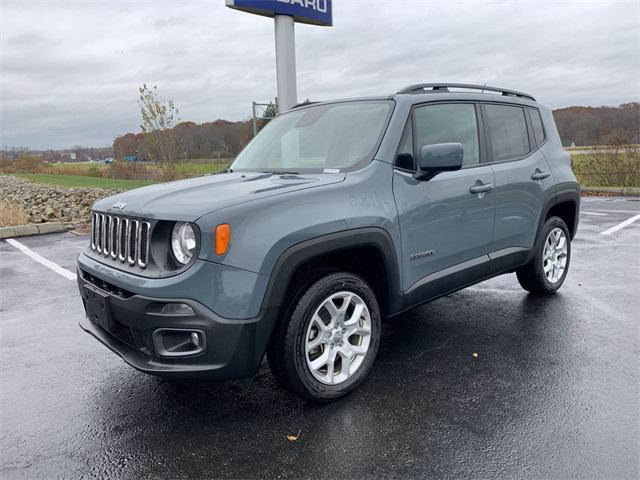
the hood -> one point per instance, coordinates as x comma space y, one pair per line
189, 199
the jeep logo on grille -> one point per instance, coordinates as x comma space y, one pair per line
119, 205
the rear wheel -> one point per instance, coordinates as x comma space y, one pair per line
327, 340
546, 272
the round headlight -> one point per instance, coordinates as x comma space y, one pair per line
183, 242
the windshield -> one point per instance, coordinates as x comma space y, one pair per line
332, 136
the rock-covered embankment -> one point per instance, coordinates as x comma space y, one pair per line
48, 203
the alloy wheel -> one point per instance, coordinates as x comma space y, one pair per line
554, 255
338, 338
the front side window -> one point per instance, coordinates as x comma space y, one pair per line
331, 136
449, 123
507, 131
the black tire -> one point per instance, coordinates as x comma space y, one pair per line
286, 351
531, 276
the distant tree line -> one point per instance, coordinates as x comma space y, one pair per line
76, 154
224, 139
219, 139
599, 125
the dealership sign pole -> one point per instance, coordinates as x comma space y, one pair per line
285, 13
285, 62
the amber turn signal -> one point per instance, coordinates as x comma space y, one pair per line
223, 235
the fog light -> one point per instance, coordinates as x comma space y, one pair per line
177, 309
178, 342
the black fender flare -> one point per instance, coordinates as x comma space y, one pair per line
570, 195
561, 196
298, 254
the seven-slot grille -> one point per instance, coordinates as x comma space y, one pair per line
119, 238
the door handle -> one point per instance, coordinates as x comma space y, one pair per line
481, 187
539, 174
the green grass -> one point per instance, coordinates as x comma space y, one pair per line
195, 169
183, 169
75, 175
80, 181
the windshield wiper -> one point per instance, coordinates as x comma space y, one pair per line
280, 172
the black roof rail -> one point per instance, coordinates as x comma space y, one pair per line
444, 87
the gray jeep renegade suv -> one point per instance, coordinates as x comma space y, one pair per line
336, 215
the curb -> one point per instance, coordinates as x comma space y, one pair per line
32, 229
627, 191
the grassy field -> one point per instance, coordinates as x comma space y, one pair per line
83, 181
121, 175
93, 175
186, 169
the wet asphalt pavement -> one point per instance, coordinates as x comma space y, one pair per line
553, 393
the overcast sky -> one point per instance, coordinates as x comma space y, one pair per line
70, 70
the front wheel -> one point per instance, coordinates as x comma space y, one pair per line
326, 343
546, 271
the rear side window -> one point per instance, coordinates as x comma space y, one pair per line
536, 123
445, 123
507, 131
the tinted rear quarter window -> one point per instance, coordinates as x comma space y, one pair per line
507, 131
536, 123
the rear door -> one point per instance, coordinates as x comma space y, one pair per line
446, 223
514, 134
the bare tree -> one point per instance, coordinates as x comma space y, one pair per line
158, 119
271, 111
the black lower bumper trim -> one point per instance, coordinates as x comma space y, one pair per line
234, 348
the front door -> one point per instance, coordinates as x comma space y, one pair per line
446, 222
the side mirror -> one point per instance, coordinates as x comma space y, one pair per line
439, 157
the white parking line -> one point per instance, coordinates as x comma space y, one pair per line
40, 259
621, 225
593, 213
620, 210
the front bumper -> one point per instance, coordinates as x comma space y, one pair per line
232, 348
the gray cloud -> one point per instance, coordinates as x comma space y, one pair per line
69, 71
